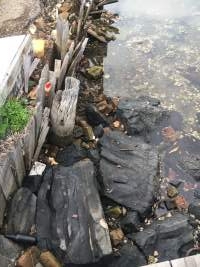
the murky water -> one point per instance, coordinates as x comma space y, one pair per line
157, 53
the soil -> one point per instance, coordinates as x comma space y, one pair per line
16, 15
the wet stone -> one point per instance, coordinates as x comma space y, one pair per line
128, 165
70, 155
131, 222
95, 117
140, 115
70, 216
197, 193
33, 182
191, 164
9, 252
168, 237
21, 214
128, 255
194, 209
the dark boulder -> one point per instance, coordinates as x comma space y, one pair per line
71, 154
21, 214
129, 172
190, 163
169, 237
95, 117
129, 256
9, 252
69, 214
140, 115
131, 222
194, 209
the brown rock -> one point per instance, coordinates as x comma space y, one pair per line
116, 236
30, 258
49, 260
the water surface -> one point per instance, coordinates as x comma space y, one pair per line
157, 53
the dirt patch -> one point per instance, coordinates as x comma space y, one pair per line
16, 15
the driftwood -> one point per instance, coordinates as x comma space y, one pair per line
43, 133
107, 2
95, 35
63, 110
77, 59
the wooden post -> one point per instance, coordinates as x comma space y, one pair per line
63, 110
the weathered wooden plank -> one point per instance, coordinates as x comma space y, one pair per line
7, 180
40, 88
52, 79
12, 64
57, 67
77, 58
2, 206
43, 133
192, 261
29, 143
17, 163
38, 119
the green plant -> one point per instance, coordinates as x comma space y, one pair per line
14, 116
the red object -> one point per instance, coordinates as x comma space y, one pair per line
47, 88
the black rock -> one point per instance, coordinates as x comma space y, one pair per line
95, 117
21, 214
98, 131
168, 237
33, 182
129, 256
70, 155
131, 222
194, 209
9, 252
129, 172
197, 193
198, 117
190, 163
140, 115
69, 214
170, 205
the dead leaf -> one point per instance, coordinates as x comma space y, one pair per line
52, 161
116, 236
116, 124
169, 134
33, 93
181, 203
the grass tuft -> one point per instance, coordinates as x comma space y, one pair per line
14, 116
